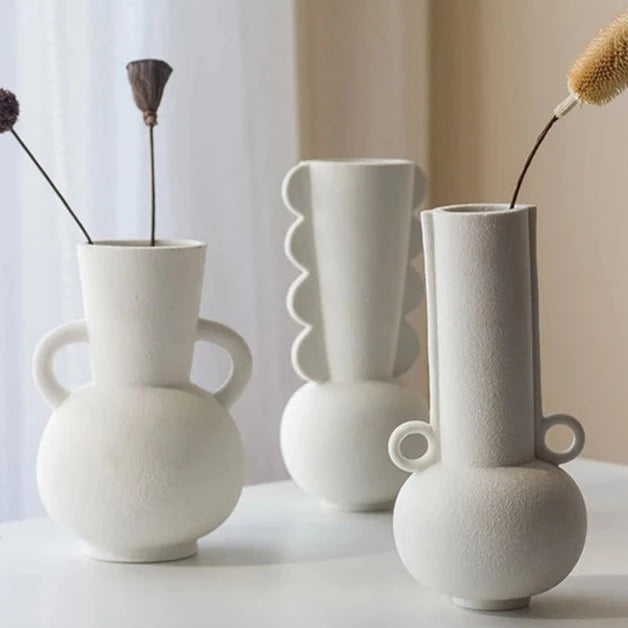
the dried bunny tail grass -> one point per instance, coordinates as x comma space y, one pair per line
601, 72
598, 75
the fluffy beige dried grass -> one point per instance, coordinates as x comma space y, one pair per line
601, 72
598, 75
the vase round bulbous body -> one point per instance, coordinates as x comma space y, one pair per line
487, 516
354, 238
490, 538
139, 463
334, 441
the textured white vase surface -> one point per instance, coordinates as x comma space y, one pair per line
139, 463
487, 517
353, 240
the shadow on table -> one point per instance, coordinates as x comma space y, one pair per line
594, 597
335, 535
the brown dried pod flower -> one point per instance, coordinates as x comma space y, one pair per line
9, 110
148, 77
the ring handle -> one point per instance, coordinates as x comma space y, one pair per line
412, 465
43, 372
559, 457
239, 352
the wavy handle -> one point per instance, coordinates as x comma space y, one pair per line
239, 352
412, 465
559, 457
309, 355
43, 371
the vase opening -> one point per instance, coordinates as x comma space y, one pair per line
145, 244
361, 161
478, 209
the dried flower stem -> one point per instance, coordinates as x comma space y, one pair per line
148, 77
539, 141
152, 185
53, 186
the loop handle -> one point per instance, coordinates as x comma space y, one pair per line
412, 465
239, 352
559, 457
43, 372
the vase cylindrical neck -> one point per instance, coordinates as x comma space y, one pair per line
481, 299
361, 212
141, 307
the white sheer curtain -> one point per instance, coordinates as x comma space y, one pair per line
227, 133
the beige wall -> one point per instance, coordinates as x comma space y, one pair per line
464, 87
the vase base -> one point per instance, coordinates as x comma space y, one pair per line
142, 555
492, 605
377, 507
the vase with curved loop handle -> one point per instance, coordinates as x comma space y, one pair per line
353, 241
139, 463
487, 517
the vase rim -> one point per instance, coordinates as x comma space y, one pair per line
481, 209
361, 161
144, 245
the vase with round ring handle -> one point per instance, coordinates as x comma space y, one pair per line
139, 463
353, 240
487, 517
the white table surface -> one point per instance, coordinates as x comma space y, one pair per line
282, 561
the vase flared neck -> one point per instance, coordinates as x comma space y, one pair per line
141, 307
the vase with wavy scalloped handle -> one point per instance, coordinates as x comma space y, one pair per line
487, 516
353, 239
139, 463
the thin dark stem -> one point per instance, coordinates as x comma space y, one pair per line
539, 141
53, 186
152, 186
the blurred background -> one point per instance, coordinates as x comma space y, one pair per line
461, 86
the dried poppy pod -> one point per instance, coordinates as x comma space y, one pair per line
148, 77
9, 110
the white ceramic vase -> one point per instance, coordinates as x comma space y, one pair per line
353, 240
487, 517
140, 463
